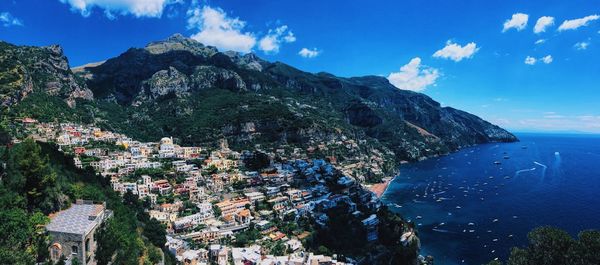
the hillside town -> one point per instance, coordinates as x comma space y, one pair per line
218, 206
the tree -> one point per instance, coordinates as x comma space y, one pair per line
30, 174
257, 161
323, 250
239, 185
587, 249
278, 249
343, 233
552, 246
217, 211
155, 232
548, 245
106, 241
4, 135
518, 257
154, 255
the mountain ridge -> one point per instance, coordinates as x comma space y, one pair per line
197, 94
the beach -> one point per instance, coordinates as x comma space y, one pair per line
379, 188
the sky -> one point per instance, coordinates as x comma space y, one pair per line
524, 65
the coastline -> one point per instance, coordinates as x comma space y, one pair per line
380, 188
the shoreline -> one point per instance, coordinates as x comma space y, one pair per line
380, 188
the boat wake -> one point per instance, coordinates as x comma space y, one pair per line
524, 170
543, 170
442, 231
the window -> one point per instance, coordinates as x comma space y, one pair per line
87, 245
74, 250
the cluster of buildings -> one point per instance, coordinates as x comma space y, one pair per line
206, 197
254, 254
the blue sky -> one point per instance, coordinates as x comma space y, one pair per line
497, 59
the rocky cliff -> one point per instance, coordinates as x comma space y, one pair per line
25, 70
183, 88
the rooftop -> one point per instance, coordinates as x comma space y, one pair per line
79, 219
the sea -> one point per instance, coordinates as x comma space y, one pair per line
474, 205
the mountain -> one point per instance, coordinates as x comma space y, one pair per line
25, 70
197, 94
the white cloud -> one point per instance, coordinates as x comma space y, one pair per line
414, 76
309, 53
547, 59
581, 45
542, 23
540, 41
556, 122
7, 20
456, 52
138, 8
577, 23
271, 42
530, 60
215, 28
518, 22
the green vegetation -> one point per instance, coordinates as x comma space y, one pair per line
257, 161
343, 234
37, 180
552, 246
247, 237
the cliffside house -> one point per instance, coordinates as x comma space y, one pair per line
72, 231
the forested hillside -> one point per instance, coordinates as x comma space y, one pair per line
37, 180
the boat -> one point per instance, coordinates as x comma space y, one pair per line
506, 157
471, 224
419, 217
497, 162
495, 220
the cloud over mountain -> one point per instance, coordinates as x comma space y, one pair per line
414, 76
309, 53
271, 42
217, 29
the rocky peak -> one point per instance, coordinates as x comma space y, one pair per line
167, 81
38, 69
249, 61
178, 42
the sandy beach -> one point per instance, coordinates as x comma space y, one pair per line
380, 188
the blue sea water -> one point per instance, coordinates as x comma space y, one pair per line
470, 210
